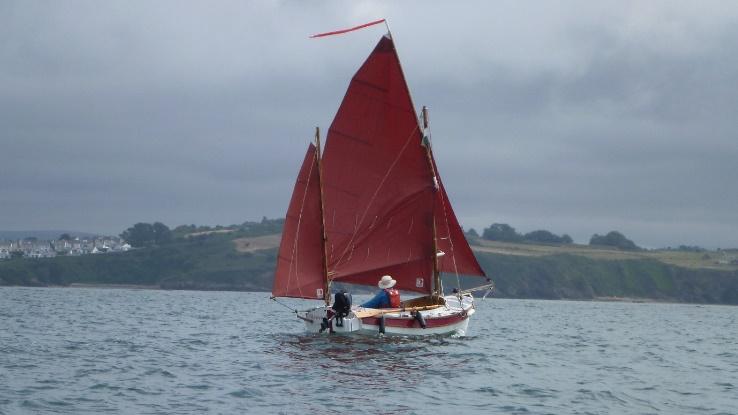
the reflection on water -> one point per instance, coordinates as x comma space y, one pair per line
379, 361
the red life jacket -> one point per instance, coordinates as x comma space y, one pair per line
394, 297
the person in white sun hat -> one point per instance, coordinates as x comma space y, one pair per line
387, 297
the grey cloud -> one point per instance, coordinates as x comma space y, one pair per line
579, 118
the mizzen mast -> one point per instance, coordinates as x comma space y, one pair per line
323, 238
437, 288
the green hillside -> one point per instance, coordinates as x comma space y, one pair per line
207, 261
243, 259
724, 260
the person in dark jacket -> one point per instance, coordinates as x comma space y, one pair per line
341, 306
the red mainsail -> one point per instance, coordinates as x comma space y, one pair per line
380, 197
377, 182
299, 270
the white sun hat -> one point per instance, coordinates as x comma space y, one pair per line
386, 282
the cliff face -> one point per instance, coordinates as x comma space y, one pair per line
220, 262
577, 277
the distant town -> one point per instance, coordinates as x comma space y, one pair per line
65, 245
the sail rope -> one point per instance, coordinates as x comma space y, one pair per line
451, 244
273, 298
294, 310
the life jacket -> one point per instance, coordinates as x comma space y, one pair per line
394, 297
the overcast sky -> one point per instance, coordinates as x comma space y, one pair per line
578, 117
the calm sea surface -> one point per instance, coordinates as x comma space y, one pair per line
158, 352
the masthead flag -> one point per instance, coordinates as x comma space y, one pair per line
339, 32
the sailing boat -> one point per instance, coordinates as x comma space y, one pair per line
374, 204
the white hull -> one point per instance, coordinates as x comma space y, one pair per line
451, 318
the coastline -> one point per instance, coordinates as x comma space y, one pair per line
111, 286
604, 299
615, 299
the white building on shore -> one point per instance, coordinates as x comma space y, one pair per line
34, 248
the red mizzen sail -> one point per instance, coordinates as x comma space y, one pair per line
299, 270
377, 181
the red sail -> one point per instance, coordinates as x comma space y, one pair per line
378, 184
458, 258
300, 263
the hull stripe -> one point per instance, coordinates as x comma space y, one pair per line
409, 322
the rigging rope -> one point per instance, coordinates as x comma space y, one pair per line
283, 304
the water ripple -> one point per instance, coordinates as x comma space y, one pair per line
161, 352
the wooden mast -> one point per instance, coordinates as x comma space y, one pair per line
426, 143
323, 238
436, 274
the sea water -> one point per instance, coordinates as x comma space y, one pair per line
90, 350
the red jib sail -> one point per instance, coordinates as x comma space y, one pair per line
458, 258
299, 270
378, 184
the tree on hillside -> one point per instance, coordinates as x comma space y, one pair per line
501, 232
162, 234
472, 233
691, 248
542, 236
139, 235
546, 237
615, 239
65, 237
146, 234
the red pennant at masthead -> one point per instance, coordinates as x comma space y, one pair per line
339, 32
